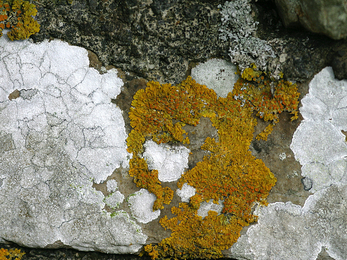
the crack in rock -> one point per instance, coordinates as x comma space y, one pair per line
58, 136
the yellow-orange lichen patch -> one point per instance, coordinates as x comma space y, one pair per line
152, 115
13, 254
229, 173
267, 96
17, 15
194, 236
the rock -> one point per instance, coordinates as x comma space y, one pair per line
287, 12
289, 231
62, 138
161, 40
319, 16
339, 63
155, 39
58, 138
64, 178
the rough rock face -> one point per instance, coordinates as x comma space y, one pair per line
328, 17
339, 62
162, 40
320, 145
155, 39
63, 162
59, 135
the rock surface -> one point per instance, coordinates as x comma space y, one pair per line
58, 137
328, 17
63, 159
162, 40
47, 130
321, 148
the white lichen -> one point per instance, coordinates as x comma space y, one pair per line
111, 185
141, 206
216, 74
288, 231
186, 192
170, 162
239, 28
318, 143
114, 200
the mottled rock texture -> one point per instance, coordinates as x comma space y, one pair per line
59, 137
289, 231
156, 39
162, 40
48, 153
328, 17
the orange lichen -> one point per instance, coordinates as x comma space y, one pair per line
263, 135
147, 179
18, 15
194, 236
228, 174
267, 96
152, 114
13, 254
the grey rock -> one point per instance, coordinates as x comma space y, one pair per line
62, 119
155, 39
328, 17
339, 63
163, 40
287, 12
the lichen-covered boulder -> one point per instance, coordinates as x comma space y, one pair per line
328, 17
59, 136
289, 231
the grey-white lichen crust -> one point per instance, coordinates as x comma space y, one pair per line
58, 137
288, 231
216, 74
239, 28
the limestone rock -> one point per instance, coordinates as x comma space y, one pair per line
339, 63
289, 231
328, 17
58, 138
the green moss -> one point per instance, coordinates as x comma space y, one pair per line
229, 173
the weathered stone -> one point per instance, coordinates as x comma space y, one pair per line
43, 166
160, 40
339, 63
154, 39
58, 138
328, 17
287, 11
289, 231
